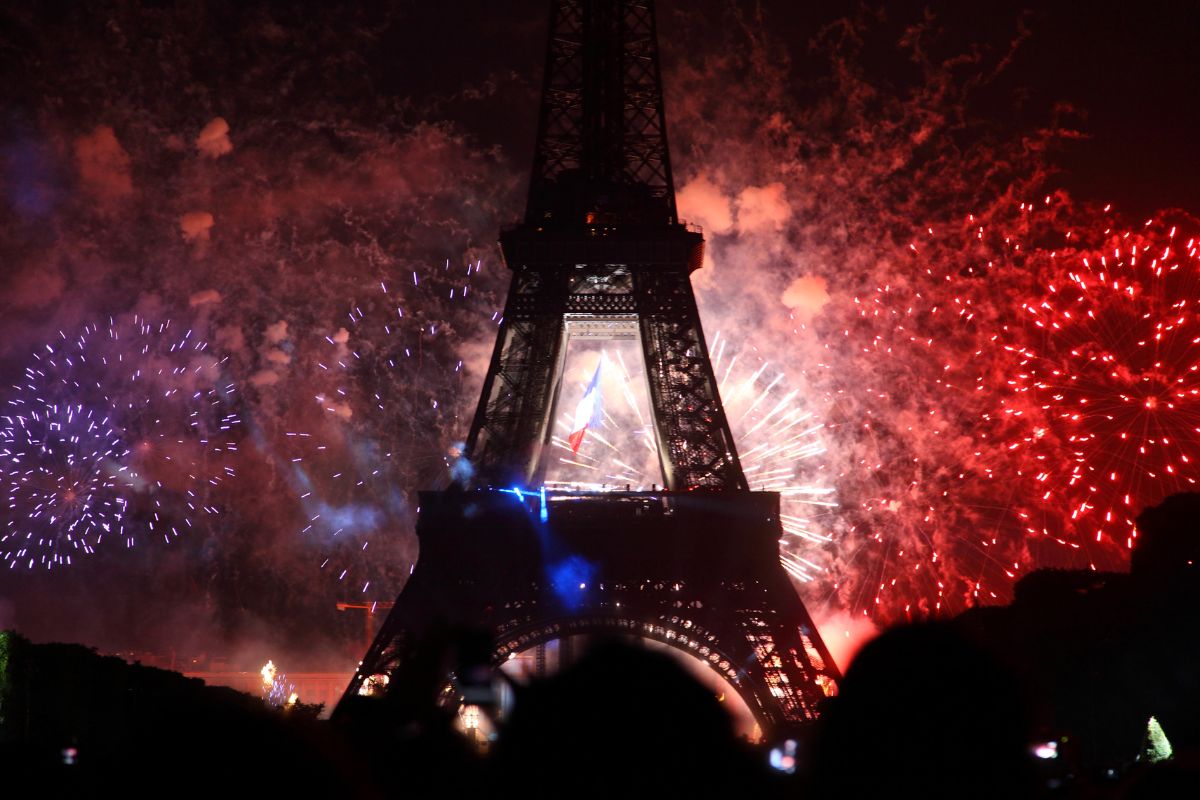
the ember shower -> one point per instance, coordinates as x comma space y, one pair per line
907, 268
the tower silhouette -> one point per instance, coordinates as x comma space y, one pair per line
601, 251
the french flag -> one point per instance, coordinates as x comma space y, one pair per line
587, 412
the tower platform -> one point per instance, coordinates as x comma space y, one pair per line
698, 571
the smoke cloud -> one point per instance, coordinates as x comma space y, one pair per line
103, 166
337, 248
213, 141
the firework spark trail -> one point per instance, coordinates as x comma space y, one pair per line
935, 508
391, 378
277, 690
779, 437
119, 433
1028, 399
1104, 381
781, 444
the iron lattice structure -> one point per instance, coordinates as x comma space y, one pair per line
695, 565
602, 139
601, 239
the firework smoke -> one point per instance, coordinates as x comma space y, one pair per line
862, 241
391, 383
901, 261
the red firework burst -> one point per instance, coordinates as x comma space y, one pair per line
1108, 362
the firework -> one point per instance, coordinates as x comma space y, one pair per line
931, 519
1002, 393
778, 434
884, 509
392, 380
1106, 374
619, 452
277, 690
116, 435
1025, 401
781, 444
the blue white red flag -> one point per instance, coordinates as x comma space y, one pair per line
587, 413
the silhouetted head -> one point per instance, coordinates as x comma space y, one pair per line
922, 712
1168, 536
1170, 780
622, 721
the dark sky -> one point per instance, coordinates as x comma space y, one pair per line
1127, 71
1130, 70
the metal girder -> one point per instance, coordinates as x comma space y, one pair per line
513, 420
513, 423
602, 144
601, 237
697, 447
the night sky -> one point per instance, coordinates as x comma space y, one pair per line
253, 171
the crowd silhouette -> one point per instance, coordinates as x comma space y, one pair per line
1085, 686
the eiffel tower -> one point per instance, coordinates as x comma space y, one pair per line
602, 251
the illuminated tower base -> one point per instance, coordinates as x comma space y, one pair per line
696, 571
